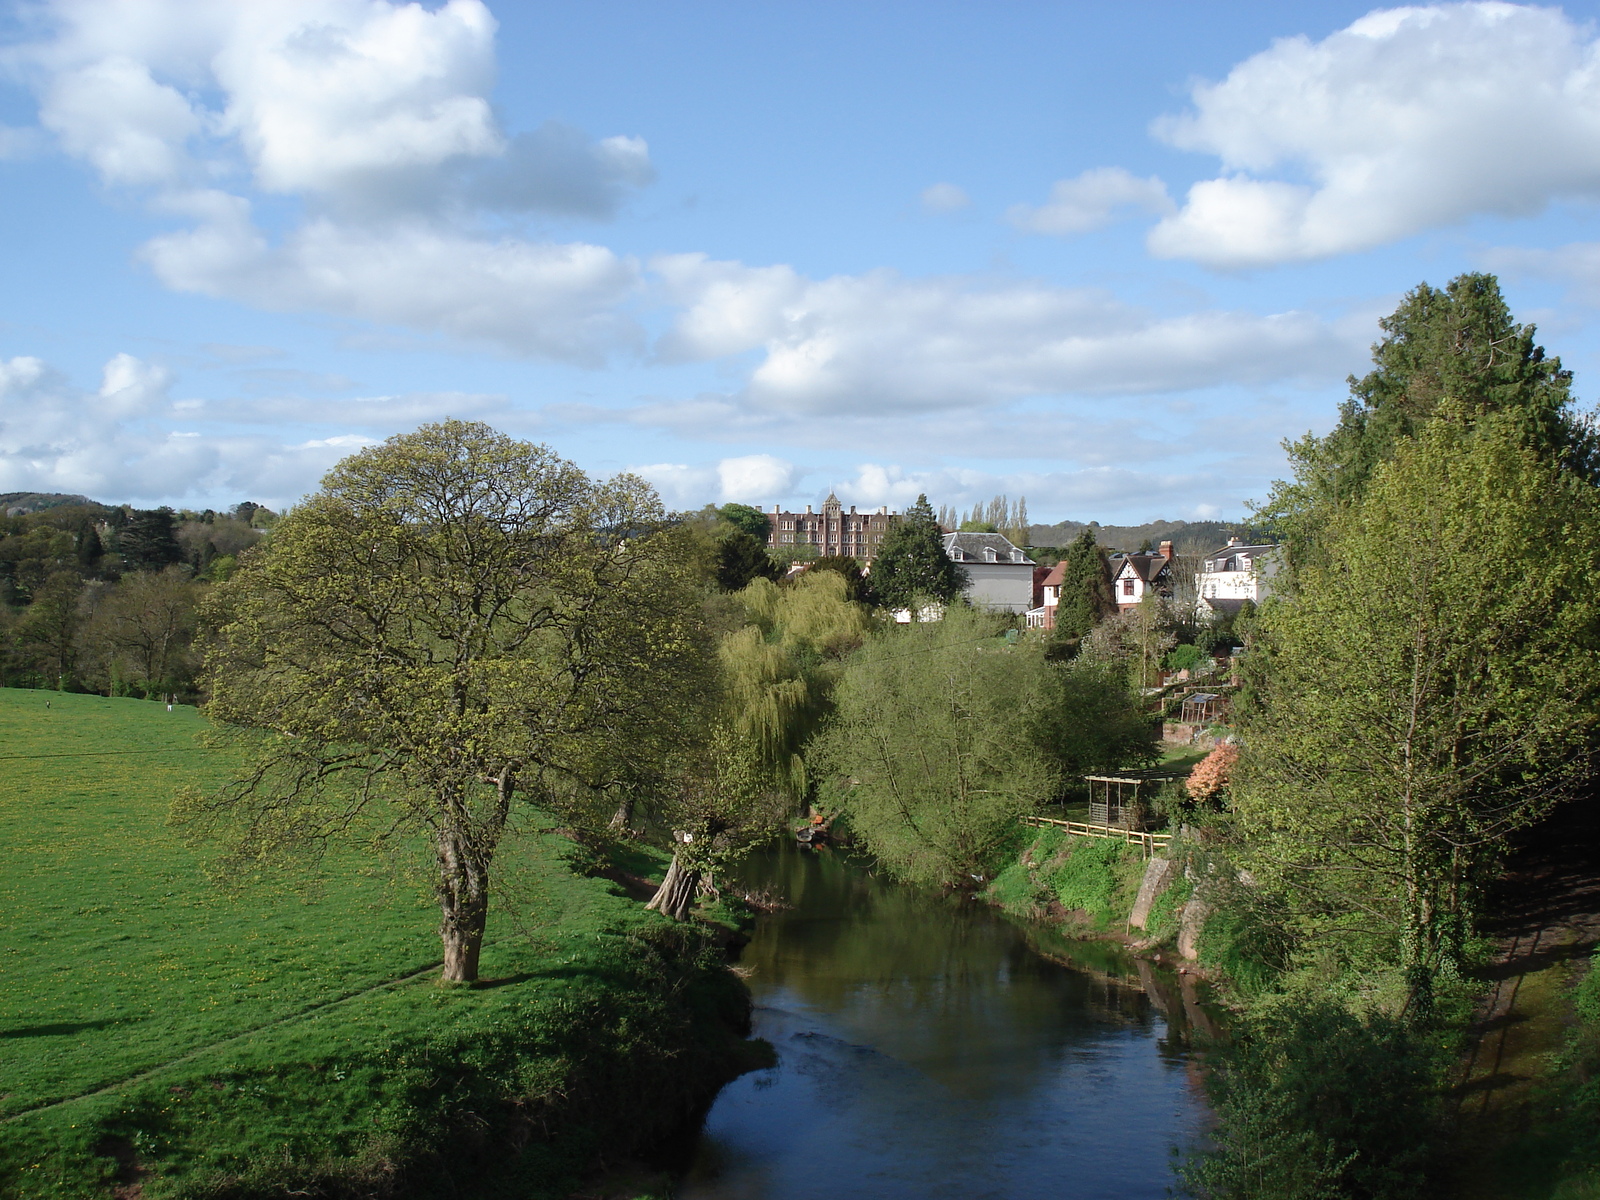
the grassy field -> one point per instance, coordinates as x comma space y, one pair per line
161, 1034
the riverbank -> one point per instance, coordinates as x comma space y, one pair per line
165, 1038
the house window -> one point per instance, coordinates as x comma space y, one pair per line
1127, 587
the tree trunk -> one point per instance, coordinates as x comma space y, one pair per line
464, 905
622, 819
677, 890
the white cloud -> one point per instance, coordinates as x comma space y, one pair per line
550, 300
1090, 200
754, 477
748, 479
323, 97
945, 198
132, 129
376, 113
1409, 119
131, 387
898, 344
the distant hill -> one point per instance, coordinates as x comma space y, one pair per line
20, 504
1187, 537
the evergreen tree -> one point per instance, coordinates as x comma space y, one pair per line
740, 558
149, 540
1085, 588
912, 564
1455, 354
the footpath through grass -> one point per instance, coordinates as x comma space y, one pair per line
159, 1034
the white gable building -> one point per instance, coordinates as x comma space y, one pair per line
999, 575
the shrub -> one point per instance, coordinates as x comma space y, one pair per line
1313, 1101
1096, 877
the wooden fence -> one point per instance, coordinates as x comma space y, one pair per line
1152, 842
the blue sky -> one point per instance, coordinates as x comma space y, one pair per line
1104, 256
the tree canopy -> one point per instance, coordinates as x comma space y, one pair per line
1428, 688
1455, 354
912, 565
453, 618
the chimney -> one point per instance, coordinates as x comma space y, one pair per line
774, 508
808, 508
1166, 550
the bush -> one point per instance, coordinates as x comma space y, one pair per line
1098, 876
1314, 1102
1184, 658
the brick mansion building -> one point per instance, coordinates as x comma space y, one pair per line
832, 531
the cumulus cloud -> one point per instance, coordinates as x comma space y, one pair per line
555, 300
1091, 200
1408, 119
376, 114
945, 198
915, 345
747, 479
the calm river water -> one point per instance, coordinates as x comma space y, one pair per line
927, 1049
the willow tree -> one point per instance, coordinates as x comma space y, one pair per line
933, 743
453, 619
776, 677
1428, 689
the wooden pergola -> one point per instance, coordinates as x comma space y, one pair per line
1116, 801
1202, 708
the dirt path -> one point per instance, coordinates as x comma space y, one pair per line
1546, 926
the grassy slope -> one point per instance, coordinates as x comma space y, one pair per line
257, 1036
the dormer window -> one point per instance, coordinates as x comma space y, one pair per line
988, 555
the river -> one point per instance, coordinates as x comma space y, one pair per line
927, 1048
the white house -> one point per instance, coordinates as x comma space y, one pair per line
1236, 573
999, 575
1044, 617
1133, 575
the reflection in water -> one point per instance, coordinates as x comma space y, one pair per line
925, 1049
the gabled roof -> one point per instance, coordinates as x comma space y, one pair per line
1148, 567
1057, 576
970, 547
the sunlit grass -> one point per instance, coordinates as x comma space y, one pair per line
297, 1021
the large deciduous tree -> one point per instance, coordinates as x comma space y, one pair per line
140, 634
931, 745
452, 619
1431, 686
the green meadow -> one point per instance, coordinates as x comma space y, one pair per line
162, 1035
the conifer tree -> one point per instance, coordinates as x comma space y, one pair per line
912, 564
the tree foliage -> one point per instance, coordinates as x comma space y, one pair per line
1086, 597
747, 520
1430, 688
777, 674
1456, 354
740, 559
912, 565
453, 618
